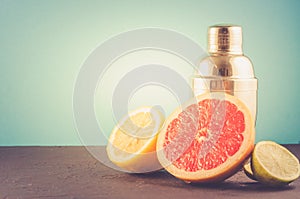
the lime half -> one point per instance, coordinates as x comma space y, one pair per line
273, 164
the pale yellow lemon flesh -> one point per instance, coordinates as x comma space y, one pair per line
132, 142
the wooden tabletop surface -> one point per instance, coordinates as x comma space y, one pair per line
71, 172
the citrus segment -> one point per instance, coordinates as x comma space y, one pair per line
248, 171
273, 164
207, 140
132, 143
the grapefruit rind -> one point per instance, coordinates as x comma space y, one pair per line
226, 169
274, 165
144, 159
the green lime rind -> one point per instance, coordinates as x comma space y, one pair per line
276, 171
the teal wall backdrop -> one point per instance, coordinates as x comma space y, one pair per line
44, 43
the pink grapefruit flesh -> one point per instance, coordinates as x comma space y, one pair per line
208, 140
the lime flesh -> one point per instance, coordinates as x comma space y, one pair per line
273, 164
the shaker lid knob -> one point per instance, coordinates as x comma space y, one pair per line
225, 39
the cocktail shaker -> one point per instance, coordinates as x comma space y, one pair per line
226, 69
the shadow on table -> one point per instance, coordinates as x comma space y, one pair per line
162, 178
243, 186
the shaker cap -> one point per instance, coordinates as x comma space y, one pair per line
225, 39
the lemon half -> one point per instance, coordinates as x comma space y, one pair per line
132, 143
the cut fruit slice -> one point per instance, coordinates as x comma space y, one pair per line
248, 171
132, 143
273, 164
208, 140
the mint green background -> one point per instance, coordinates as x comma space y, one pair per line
44, 43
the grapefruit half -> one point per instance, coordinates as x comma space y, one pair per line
208, 139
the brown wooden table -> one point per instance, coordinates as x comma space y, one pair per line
71, 172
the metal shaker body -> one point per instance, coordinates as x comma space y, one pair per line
227, 69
